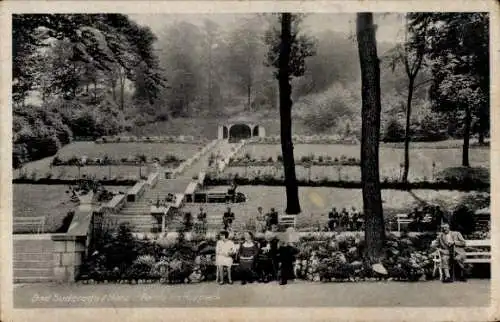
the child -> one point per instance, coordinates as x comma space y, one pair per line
224, 251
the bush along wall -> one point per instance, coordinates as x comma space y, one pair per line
269, 180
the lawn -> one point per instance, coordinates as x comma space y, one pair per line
123, 150
421, 160
50, 201
316, 202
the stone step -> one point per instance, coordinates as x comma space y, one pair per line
21, 256
33, 279
33, 272
21, 264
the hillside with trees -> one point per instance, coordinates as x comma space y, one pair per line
84, 76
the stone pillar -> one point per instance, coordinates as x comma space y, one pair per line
68, 257
220, 132
262, 132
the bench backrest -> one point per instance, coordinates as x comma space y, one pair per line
478, 243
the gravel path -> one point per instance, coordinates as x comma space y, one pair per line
296, 294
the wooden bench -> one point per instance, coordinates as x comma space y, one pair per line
402, 219
478, 257
287, 221
30, 222
217, 197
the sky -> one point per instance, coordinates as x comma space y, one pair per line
389, 25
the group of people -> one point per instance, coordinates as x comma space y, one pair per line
269, 260
260, 223
345, 220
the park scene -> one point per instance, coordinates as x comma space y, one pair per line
272, 159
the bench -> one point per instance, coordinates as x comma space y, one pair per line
32, 222
216, 197
478, 257
402, 219
287, 221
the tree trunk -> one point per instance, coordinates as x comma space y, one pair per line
285, 90
408, 130
370, 133
465, 150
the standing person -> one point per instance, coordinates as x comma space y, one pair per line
286, 256
227, 218
260, 223
247, 254
267, 258
224, 250
273, 218
450, 246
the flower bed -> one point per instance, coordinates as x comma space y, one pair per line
303, 139
310, 160
119, 257
151, 139
169, 160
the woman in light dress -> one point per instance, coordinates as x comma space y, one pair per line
224, 250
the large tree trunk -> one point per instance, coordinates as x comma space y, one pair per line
408, 130
465, 150
285, 89
370, 132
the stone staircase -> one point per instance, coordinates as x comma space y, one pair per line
138, 214
33, 260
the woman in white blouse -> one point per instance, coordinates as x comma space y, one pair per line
224, 250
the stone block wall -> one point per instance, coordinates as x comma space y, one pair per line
68, 255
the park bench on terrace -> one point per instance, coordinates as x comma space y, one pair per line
287, 221
37, 223
402, 219
478, 256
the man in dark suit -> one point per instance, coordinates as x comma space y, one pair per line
333, 219
273, 217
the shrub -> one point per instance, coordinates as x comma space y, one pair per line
394, 131
464, 175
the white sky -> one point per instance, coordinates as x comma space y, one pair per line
389, 25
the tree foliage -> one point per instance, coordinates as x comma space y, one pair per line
457, 45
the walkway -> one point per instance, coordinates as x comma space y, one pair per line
296, 294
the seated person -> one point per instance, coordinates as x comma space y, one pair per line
333, 219
232, 192
201, 220
450, 245
227, 218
